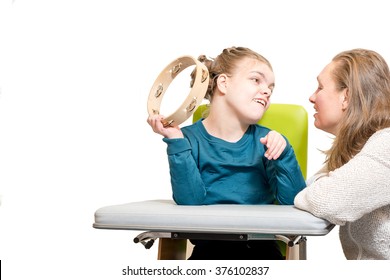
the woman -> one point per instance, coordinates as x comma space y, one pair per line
352, 190
227, 157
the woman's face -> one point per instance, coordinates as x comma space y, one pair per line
329, 101
249, 89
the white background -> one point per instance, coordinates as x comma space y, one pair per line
74, 80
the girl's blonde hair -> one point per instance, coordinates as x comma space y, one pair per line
365, 75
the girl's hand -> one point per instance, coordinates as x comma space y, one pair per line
168, 132
275, 144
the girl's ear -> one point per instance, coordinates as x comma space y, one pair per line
222, 83
345, 101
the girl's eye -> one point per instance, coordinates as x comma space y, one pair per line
256, 80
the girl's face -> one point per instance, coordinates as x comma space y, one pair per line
248, 90
329, 101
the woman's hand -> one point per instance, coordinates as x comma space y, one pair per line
275, 144
155, 121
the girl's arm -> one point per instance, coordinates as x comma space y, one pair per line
187, 185
285, 176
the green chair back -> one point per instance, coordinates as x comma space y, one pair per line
288, 119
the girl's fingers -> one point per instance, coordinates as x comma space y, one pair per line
275, 143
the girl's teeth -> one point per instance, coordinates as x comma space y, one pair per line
259, 101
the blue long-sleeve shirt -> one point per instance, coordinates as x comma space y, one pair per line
207, 170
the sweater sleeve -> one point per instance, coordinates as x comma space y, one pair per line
285, 176
187, 185
353, 190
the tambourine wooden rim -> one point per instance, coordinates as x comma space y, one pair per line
194, 98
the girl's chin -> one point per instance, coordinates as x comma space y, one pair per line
257, 118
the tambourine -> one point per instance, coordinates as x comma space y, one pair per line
194, 98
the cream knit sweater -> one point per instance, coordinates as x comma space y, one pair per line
356, 196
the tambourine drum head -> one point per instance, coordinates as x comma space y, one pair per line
172, 95
177, 92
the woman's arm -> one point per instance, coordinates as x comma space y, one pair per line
353, 190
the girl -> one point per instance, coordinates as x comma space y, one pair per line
227, 157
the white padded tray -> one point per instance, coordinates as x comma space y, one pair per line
166, 216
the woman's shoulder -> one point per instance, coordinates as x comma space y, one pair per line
379, 141
380, 134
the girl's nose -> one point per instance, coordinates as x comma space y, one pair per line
266, 91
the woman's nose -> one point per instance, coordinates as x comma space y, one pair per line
312, 98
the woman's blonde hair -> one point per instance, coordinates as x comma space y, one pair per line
225, 63
365, 75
